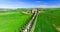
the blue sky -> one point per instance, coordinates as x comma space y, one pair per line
29, 3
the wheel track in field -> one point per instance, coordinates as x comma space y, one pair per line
29, 26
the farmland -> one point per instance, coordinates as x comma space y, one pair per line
17, 20
13, 21
46, 20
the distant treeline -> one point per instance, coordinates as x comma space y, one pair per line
27, 9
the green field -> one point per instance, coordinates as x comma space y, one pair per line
13, 21
46, 20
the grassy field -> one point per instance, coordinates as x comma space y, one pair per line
46, 20
13, 21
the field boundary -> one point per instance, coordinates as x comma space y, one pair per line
33, 26
30, 24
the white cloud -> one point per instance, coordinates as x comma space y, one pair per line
42, 6
12, 4
46, 6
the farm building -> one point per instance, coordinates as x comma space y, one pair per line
34, 10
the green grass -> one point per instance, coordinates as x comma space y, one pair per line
53, 16
46, 20
13, 21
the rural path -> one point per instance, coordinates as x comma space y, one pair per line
29, 26
33, 26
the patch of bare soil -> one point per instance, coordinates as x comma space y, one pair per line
57, 27
26, 12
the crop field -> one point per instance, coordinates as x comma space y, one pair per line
46, 20
13, 21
